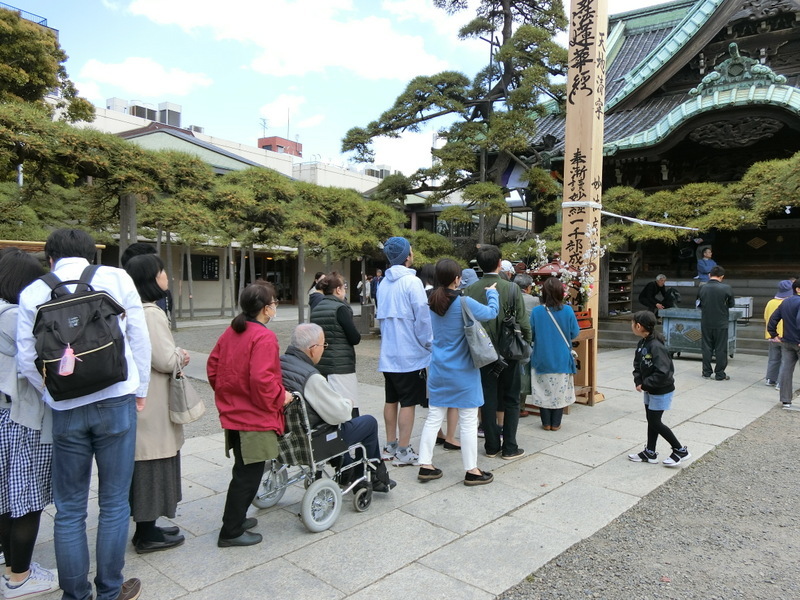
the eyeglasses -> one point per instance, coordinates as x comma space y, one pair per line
274, 303
325, 345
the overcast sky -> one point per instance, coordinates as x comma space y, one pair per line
311, 68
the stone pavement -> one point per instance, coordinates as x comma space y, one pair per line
430, 540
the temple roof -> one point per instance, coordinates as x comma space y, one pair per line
648, 47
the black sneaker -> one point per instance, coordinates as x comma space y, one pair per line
518, 454
647, 456
678, 456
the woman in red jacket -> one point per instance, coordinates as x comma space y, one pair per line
244, 370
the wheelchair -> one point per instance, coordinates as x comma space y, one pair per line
315, 457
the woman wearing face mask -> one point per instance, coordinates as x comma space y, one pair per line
156, 486
334, 315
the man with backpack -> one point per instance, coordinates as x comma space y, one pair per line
102, 319
500, 380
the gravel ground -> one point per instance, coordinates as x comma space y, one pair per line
724, 528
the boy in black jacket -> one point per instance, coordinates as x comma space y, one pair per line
653, 375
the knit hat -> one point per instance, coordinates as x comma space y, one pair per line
506, 266
397, 250
520, 267
468, 277
784, 289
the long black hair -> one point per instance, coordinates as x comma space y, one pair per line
648, 321
441, 298
252, 301
143, 269
18, 269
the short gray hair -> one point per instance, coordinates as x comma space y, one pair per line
661, 277
305, 335
523, 281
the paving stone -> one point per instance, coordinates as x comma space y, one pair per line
375, 548
417, 581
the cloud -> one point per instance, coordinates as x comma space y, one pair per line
409, 152
311, 122
285, 106
143, 77
296, 37
91, 91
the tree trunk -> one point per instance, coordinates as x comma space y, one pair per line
252, 264
180, 285
223, 280
241, 268
127, 223
171, 279
159, 232
327, 261
232, 278
301, 258
189, 273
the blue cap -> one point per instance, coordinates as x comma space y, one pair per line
397, 250
468, 277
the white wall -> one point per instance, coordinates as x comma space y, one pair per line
333, 176
110, 121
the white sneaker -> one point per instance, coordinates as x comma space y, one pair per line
679, 456
389, 450
406, 457
40, 581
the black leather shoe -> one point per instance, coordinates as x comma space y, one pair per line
170, 530
248, 538
170, 541
163, 530
382, 487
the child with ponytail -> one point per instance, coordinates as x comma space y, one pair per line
653, 376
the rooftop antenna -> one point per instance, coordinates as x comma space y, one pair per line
263, 122
287, 124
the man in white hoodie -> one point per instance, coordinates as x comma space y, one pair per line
406, 339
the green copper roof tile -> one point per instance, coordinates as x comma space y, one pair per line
780, 96
659, 56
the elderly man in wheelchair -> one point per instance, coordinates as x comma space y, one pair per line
326, 406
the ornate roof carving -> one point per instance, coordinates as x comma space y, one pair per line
763, 9
736, 71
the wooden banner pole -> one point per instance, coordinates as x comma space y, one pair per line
583, 168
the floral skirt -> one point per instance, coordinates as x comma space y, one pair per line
552, 390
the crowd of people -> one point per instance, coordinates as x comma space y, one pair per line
49, 443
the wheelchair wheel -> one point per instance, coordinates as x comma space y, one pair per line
272, 487
321, 506
362, 498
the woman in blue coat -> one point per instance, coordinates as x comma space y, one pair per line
453, 380
552, 365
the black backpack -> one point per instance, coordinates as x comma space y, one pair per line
87, 321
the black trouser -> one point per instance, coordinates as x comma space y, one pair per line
715, 341
245, 480
655, 428
19, 537
500, 394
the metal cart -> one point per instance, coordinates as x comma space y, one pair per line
682, 330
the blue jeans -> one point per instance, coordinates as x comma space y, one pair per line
105, 431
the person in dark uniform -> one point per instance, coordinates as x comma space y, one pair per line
716, 299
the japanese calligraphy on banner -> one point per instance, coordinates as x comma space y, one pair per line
583, 154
